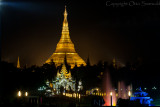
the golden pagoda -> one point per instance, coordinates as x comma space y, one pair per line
66, 47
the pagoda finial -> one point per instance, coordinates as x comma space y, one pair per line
65, 8
18, 63
65, 12
65, 22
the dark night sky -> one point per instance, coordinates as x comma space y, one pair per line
31, 30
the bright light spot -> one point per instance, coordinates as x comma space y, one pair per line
79, 96
154, 88
80, 83
110, 93
48, 90
117, 95
19, 93
129, 93
40, 89
26, 93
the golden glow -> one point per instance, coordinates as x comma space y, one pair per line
66, 47
51, 85
18, 63
117, 95
68, 95
74, 95
79, 96
26, 93
64, 53
19, 93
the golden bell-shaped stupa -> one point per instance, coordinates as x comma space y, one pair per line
65, 47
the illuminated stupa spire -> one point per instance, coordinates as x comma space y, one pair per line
66, 47
18, 63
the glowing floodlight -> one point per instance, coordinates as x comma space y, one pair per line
19, 93
26, 94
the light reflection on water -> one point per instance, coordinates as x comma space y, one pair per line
156, 102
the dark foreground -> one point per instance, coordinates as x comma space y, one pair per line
63, 101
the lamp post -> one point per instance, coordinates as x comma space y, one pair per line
111, 97
129, 94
